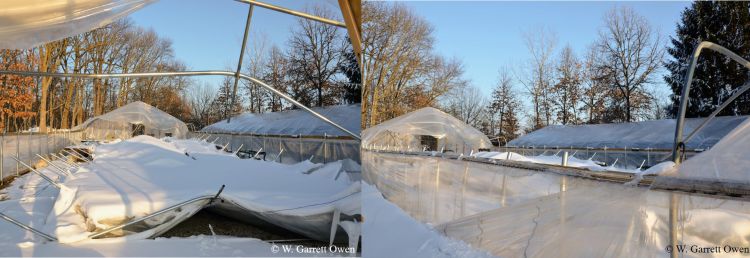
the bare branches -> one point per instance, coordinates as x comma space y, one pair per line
631, 51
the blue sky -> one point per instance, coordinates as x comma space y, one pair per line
484, 35
207, 34
488, 35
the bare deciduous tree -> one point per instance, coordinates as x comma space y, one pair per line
631, 51
541, 44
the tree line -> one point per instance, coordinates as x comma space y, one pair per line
317, 67
614, 80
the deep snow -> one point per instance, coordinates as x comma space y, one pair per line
135, 177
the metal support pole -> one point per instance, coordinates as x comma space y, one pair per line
564, 162
673, 224
38, 173
208, 198
21, 225
53, 165
239, 63
295, 13
678, 141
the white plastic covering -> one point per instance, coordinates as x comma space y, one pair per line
404, 132
513, 212
292, 122
120, 121
726, 161
657, 134
27, 23
136, 177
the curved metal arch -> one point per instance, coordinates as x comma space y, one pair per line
678, 140
188, 74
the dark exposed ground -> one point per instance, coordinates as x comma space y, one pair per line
222, 225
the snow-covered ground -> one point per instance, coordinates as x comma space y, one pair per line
390, 232
572, 162
552, 160
136, 177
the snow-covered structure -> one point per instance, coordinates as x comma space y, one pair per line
656, 134
292, 136
425, 129
292, 122
134, 118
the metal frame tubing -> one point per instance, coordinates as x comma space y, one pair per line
293, 12
53, 165
37, 172
188, 73
678, 140
23, 226
686, 92
74, 154
239, 63
211, 198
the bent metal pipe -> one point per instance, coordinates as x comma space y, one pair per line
188, 74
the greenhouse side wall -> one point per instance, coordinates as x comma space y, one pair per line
25, 146
295, 149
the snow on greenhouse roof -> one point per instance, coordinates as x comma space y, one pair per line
292, 122
657, 134
425, 121
141, 113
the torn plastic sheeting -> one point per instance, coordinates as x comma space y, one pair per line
140, 176
28, 23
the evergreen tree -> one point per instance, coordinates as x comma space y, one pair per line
221, 104
716, 76
350, 68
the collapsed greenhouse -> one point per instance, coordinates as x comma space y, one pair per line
124, 183
542, 204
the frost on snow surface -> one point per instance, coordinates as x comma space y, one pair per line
136, 177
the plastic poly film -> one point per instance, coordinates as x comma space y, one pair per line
404, 133
656, 134
292, 122
119, 122
25, 24
512, 212
727, 161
